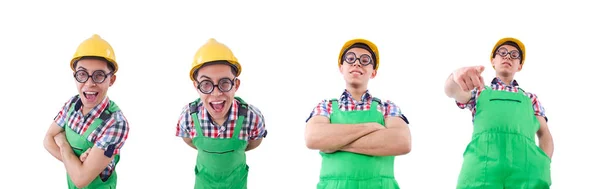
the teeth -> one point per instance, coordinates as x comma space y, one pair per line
220, 102
91, 93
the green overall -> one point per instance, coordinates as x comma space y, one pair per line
80, 144
503, 153
220, 163
347, 170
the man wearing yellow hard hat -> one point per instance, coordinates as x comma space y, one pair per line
503, 152
90, 129
358, 135
218, 124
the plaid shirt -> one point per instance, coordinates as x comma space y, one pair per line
347, 103
111, 135
497, 84
253, 127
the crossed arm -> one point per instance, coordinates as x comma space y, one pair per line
368, 139
82, 173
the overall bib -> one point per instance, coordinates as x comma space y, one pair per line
503, 153
80, 144
220, 163
347, 170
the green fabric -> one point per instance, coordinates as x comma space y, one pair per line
347, 170
80, 144
221, 163
503, 153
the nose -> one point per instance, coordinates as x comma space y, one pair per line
90, 82
357, 64
216, 92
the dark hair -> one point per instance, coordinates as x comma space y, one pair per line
362, 46
109, 64
515, 45
234, 69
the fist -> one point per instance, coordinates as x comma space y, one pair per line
85, 155
469, 78
61, 139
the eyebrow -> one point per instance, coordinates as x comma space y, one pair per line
204, 76
81, 68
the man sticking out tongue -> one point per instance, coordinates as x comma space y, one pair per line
90, 129
219, 125
358, 134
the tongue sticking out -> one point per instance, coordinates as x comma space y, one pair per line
90, 96
218, 106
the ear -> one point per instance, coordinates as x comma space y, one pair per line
112, 80
520, 67
340, 68
237, 84
373, 74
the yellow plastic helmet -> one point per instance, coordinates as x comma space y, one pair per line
517, 41
212, 51
358, 40
95, 46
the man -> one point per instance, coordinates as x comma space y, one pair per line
90, 129
358, 134
502, 153
221, 126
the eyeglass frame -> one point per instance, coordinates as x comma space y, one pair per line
358, 58
106, 75
213, 85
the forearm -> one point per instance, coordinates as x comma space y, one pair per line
385, 142
547, 144
52, 148
327, 136
453, 90
72, 163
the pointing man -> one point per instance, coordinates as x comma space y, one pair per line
506, 118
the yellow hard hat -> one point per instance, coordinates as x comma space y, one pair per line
355, 41
212, 51
515, 40
95, 46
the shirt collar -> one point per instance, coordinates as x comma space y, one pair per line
497, 81
346, 96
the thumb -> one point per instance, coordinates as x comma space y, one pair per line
480, 69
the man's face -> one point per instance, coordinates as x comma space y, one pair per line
93, 78
510, 63
357, 67
221, 84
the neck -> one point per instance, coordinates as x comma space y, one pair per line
356, 91
506, 78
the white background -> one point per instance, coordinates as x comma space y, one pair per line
289, 52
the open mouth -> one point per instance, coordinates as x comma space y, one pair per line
217, 105
90, 96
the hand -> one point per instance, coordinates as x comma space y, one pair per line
85, 155
61, 140
469, 78
375, 125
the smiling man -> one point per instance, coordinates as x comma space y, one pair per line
90, 129
358, 135
219, 125
506, 118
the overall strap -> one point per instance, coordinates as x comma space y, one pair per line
374, 103
194, 113
239, 124
72, 103
334, 105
